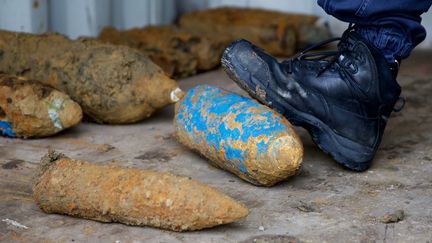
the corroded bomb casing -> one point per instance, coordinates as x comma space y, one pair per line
30, 109
277, 32
177, 52
130, 196
238, 134
112, 84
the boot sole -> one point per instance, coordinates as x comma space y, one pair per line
339, 148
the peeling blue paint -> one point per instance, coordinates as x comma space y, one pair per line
262, 147
6, 129
202, 114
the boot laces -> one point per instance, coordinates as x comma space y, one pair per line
336, 55
323, 55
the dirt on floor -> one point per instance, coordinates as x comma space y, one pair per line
322, 203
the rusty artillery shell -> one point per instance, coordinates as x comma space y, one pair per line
277, 32
238, 134
130, 196
179, 53
30, 109
112, 84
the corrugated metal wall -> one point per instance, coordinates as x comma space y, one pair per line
87, 17
24, 15
83, 17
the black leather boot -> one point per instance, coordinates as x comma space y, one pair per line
343, 97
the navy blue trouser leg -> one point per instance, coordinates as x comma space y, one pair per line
393, 26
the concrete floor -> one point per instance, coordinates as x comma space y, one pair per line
323, 203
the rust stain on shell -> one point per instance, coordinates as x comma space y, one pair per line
277, 32
32, 109
113, 84
177, 52
131, 196
239, 135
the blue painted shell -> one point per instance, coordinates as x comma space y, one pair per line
238, 134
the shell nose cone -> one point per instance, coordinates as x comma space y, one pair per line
176, 95
287, 154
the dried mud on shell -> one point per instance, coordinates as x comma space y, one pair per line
130, 196
113, 84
